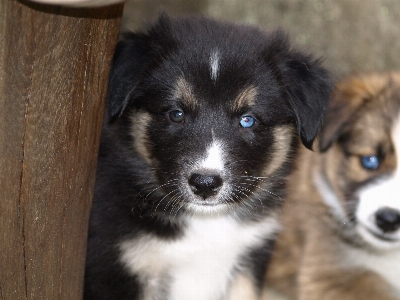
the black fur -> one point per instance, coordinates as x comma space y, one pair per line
133, 197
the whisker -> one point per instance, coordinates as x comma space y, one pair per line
258, 186
162, 199
243, 202
175, 201
172, 199
160, 186
180, 206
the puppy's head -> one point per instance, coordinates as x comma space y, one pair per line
361, 137
211, 111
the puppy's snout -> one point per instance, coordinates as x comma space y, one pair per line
205, 185
387, 219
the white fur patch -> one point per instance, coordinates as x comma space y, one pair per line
199, 265
214, 65
214, 159
329, 197
385, 263
385, 193
200, 209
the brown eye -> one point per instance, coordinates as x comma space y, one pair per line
176, 116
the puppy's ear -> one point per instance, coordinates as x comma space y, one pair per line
307, 84
309, 88
349, 95
135, 56
129, 62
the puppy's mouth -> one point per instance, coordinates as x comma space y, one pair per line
375, 236
207, 193
209, 206
382, 236
207, 202
379, 226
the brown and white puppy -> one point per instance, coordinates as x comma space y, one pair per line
341, 228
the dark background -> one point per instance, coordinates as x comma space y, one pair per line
350, 35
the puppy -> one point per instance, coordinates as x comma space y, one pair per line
341, 223
203, 119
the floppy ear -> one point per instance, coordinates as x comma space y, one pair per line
348, 96
129, 62
309, 87
134, 56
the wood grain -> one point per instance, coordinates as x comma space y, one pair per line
54, 66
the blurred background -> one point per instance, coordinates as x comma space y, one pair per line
350, 35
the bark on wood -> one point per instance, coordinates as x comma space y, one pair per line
54, 66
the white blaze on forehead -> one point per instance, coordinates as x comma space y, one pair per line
214, 158
214, 64
384, 193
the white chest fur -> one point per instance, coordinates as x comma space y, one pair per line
199, 265
386, 264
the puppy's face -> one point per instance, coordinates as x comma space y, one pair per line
362, 165
212, 112
213, 144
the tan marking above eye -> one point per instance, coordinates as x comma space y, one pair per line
246, 97
183, 91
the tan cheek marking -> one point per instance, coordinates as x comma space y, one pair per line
338, 177
331, 162
184, 92
242, 288
247, 97
140, 121
283, 137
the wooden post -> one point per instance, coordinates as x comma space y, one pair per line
54, 66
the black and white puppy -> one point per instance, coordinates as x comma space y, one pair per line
200, 132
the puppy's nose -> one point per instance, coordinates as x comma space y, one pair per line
205, 185
387, 219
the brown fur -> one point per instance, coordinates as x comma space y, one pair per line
308, 261
184, 92
243, 289
140, 121
282, 151
246, 98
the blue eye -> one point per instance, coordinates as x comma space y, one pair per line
247, 122
370, 162
176, 116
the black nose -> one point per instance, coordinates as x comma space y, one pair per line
205, 185
388, 219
